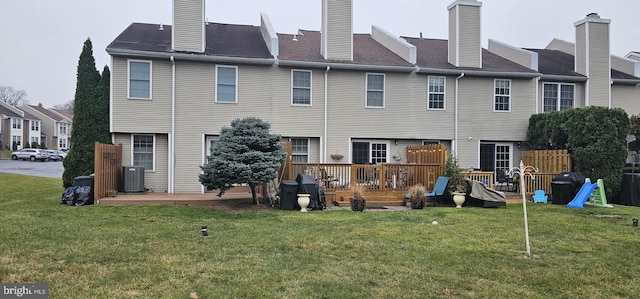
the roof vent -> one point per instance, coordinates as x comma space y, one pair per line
161, 28
206, 21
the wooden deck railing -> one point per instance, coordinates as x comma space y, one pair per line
375, 178
399, 177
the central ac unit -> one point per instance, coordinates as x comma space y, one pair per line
133, 178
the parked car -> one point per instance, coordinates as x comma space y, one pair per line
62, 154
33, 154
52, 155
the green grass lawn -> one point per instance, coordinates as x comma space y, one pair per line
159, 251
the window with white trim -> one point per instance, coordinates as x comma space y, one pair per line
62, 143
35, 140
16, 123
300, 87
502, 95
557, 96
226, 84
139, 79
375, 91
63, 129
35, 125
366, 152
436, 92
300, 150
16, 140
143, 150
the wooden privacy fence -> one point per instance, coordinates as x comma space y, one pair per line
427, 154
539, 181
107, 169
554, 161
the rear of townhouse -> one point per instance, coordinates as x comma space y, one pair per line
367, 96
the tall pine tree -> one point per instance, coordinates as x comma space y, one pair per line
90, 116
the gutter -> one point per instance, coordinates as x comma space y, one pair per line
193, 57
626, 81
347, 66
476, 73
563, 78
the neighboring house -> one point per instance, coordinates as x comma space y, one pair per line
32, 134
56, 128
11, 122
365, 95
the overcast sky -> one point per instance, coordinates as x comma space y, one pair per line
41, 40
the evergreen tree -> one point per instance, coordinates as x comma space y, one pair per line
80, 160
102, 108
246, 153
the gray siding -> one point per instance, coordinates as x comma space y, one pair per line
624, 65
626, 97
398, 46
599, 65
520, 56
581, 50
453, 35
337, 26
562, 46
153, 180
188, 25
151, 116
469, 44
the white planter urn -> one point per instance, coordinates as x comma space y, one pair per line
303, 201
458, 199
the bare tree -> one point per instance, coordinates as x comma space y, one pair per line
68, 106
12, 96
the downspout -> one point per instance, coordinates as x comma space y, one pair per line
455, 119
323, 159
172, 162
537, 95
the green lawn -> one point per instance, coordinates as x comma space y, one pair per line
159, 252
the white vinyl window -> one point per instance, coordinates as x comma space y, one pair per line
375, 91
35, 125
300, 150
502, 95
62, 143
436, 93
143, 151
16, 123
226, 84
558, 96
300, 87
140, 79
63, 129
35, 140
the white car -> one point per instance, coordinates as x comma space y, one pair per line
62, 154
33, 154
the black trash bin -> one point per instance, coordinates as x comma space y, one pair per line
307, 184
565, 186
85, 180
288, 195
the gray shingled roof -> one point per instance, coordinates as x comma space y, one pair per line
366, 51
434, 53
30, 116
553, 62
222, 40
47, 112
8, 112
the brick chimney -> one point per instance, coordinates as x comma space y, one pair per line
465, 49
337, 29
593, 58
188, 32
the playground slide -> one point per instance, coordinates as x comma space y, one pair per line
582, 196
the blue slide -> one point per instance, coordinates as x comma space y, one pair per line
582, 196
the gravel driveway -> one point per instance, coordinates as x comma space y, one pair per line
51, 169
